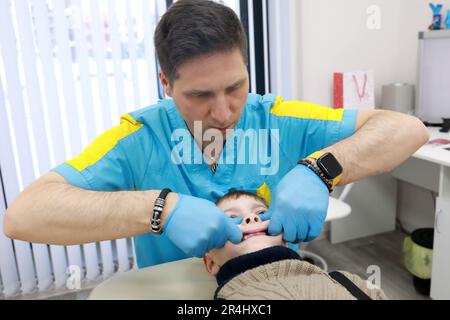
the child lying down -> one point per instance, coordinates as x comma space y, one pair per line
263, 267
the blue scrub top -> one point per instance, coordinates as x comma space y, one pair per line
139, 154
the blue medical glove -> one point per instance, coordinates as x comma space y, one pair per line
298, 206
197, 225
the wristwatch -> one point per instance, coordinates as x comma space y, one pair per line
328, 165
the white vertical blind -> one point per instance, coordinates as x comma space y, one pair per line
72, 108
117, 58
56, 90
34, 106
98, 43
132, 52
14, 92
98, 32
90, 125
149, 26
82, 70
68, 70
8, 270
122, 249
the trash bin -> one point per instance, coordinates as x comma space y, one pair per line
418, 258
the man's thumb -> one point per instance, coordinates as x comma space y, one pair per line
237, 220
275, 227
234, 233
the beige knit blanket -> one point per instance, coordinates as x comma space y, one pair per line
292, 280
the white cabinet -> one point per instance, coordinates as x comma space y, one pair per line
429, 168
440, 281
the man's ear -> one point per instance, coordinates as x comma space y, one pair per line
210, 265
165, 82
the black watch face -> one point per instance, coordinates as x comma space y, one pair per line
329, 166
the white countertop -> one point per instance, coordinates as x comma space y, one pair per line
435, 153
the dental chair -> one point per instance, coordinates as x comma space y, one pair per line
179, 280
337, 207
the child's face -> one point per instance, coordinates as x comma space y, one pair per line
254, 231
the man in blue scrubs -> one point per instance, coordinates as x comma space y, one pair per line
208, 138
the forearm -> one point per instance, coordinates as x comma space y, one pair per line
386, 140
59, 213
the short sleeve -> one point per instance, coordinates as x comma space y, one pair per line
114, 161
305, 128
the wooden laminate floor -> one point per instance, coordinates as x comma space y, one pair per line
383, 250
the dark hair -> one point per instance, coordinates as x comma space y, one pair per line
191, 28
236, 194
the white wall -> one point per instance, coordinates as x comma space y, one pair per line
333, 36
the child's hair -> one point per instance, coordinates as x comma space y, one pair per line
240, 193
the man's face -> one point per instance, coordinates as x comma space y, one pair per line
254, 232
212, 89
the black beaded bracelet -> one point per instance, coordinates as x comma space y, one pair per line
308, 163
158, 208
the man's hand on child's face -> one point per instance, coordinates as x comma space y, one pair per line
298, 206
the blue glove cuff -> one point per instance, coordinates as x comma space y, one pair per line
319, 174
166, 225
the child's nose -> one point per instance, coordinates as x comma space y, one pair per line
252, 219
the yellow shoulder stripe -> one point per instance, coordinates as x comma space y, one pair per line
105, 143
264, 192
305, 110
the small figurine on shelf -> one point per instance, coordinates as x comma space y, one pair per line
437, 17
447, 20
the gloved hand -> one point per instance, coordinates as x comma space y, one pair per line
298, 206
197, 225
